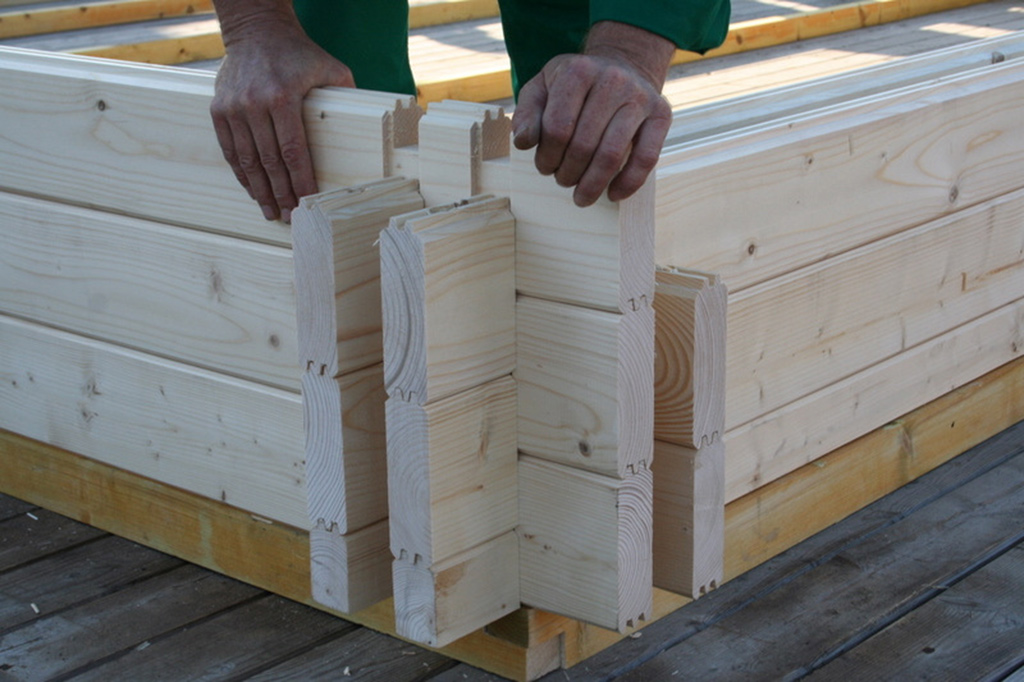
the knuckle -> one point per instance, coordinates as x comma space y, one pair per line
645, 158
270, 161
248, 163
292, 153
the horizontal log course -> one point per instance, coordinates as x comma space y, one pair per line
886, 147
230, 440
208, 300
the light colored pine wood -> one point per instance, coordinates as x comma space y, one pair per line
452, 472
346, 449
759, 526
349, 573
689, 517
773, 104
600, 257
884, 148
337, 272
207, 300
113, 127
448, 297
53, 18
781, 441
227, 439
455, 139
586, 385
690, 357
438, 604
799, 333
585, 543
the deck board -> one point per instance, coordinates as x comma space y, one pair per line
878, 578
974, 625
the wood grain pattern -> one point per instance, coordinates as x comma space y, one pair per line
802, 431
586, 385
600, 257
111, 126
920, 153
337, 272
234, 441
452, 472
350, 572
345, 447
215, 302
799, 333
689, 517
585, 543
439, 604
455, 139
689, 357
447, 293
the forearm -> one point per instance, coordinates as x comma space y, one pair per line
648, 53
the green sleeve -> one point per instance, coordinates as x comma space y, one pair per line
695, 25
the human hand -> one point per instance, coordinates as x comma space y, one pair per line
257, 109
598, 119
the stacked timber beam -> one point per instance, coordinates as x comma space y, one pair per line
150, 320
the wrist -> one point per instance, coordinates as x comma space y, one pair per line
255, 20
648, 53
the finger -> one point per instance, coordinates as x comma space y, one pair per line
227, 146
249, 161
566, 95
268, 148
604, 105
294, 152
611, 152
642, 159
526, 120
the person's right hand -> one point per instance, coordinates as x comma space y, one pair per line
257, 110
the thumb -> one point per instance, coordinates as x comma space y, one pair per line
526, 121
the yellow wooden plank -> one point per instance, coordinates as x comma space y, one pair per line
28, 21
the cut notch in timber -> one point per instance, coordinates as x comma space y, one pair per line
448, 297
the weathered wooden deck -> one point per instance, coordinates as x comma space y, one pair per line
927, 583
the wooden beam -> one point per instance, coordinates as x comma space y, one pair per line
689, 517
599, 257
438, 604
791, 216
585, 543
436, 12
455, 139
448, 296
337, 272
763, 107
29, 21
586, 385
212, 301
346, 460
690, 357
227, 439
799, 333
151, 126
782, 441
350, 573
448, 291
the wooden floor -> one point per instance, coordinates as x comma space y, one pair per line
927, 583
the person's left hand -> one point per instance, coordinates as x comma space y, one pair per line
598, 119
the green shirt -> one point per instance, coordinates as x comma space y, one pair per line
371, 36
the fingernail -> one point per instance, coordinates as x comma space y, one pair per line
286, 215
269, 213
